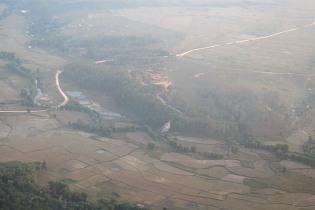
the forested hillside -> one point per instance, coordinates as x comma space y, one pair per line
141, 101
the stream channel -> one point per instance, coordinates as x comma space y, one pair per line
39, 93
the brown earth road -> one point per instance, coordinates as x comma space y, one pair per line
66, 99
242, 41
161, 99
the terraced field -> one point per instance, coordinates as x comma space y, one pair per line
250, 41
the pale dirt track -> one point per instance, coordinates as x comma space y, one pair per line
66, 99
242, 41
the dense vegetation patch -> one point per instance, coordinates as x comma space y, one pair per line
18, 191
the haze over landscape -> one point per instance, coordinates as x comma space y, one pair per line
157, 104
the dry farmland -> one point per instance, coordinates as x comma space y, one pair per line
233, 47
129, 173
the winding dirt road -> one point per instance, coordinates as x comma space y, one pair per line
247, 40
66, 99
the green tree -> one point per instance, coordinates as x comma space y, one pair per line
279, 153
151, 145
23, 93
193, 149
234, 149
44, 165
285, 148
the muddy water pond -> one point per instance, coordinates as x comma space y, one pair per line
85, 101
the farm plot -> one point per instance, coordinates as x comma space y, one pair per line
234, 178
152, 177
95, 22
249, 172
48, 153
199, 140
215, 171
72, 116
299, 199
93, 180
294, 165
307, 172
170, 169
11, 85
87, 160
135, 179
296, 140
224, 188
195, 163
131, 163
56, 164
263, 166
23, 125
140, 137
271, 194
10, 154
8, 93
72, 165
78, 175
26, 147
4, 129
198, 183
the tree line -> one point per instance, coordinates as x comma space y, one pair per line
101, 130
182, 148
282, 151
74, 106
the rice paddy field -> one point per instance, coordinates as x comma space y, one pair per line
232, 47
125, 170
